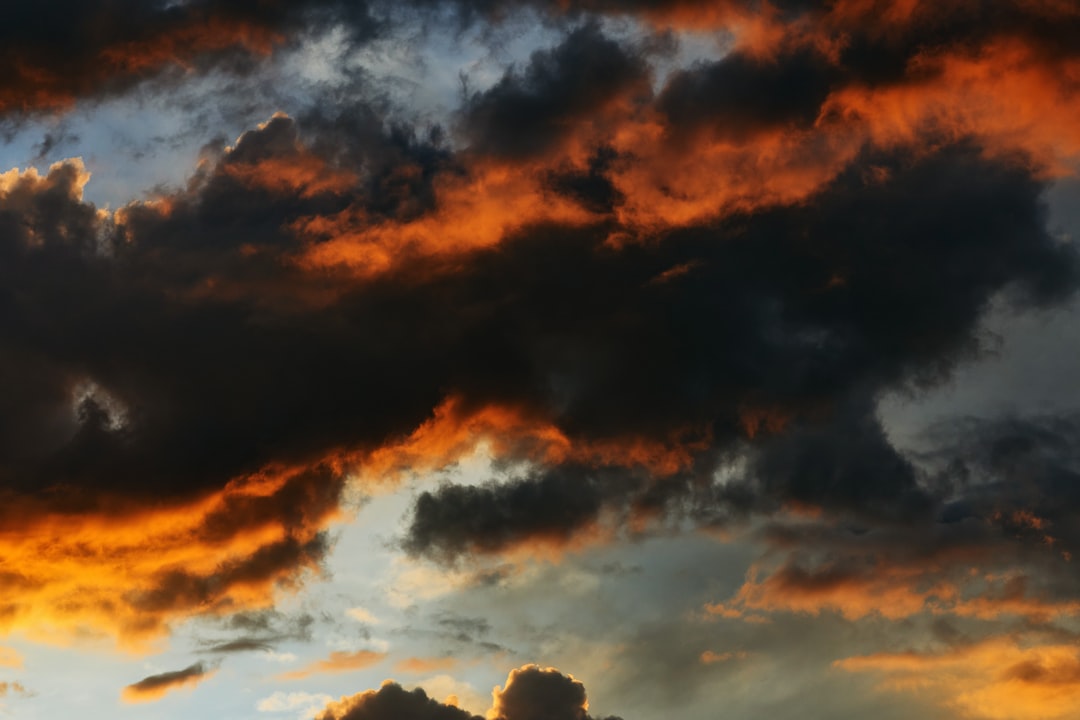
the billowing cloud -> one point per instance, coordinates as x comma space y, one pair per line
392, 701
155, 687
530, 693
649, 295
535, 693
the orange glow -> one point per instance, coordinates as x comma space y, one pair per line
183, 43
125, 571
454, 432
416, 665
338, 662
1004, 94
998, 679
32, 87
771, 421
711, 658
473, 213
30, 182
893, 592
10, 658
303, 175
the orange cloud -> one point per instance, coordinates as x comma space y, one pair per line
338, 662
1005, 94
890, 591
997, 679
417, 665
182, 43
455, 431
474, 212
712, 658
123, 570
155, 687
9, 688
45, 80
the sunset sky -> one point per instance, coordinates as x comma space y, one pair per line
540, 359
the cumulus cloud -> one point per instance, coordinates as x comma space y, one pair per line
530, 693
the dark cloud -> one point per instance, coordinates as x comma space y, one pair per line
393, 701
259, 631
525, 114
535, 693
459, 519
240, 645
1020, 472
61, 51
155, 686
786, 336
200, 339
531, 693
194, 350
742, 95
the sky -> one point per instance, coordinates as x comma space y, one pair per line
540, 359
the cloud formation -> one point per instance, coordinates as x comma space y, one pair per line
530, 693
155, 687
657, 296
339, 661
997, 679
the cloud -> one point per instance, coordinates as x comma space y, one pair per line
710, 657
574, 83
359, 614
308, 705
647, 304
458, 519
530, 693
535, 693
240, 645
90, 50
392, 701
423, 665
339, 661
13, 688
155, 687
262, 630
996, 679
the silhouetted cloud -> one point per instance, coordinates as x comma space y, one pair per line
530, 693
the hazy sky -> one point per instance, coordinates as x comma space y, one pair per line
540, 360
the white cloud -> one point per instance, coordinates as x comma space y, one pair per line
465, 696
361, 615
307, 704
284, 657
